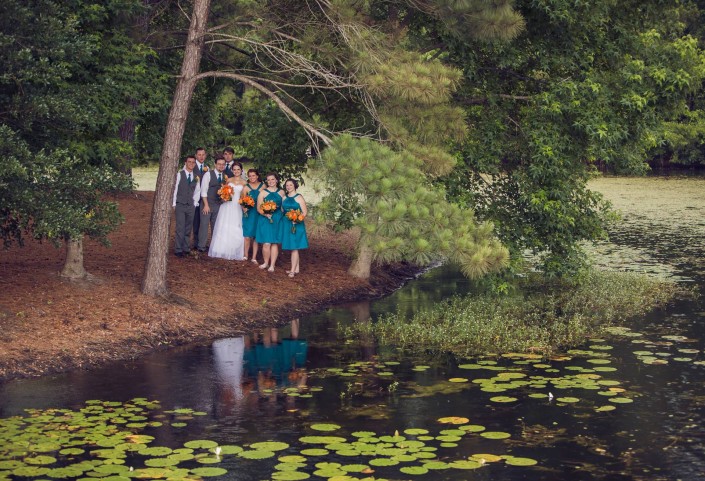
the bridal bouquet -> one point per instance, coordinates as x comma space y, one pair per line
294, 215
226, 193
247, 201
269, 207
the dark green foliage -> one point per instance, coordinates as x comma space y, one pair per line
69, 77
585, 85
271, 140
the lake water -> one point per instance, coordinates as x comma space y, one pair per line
626, 406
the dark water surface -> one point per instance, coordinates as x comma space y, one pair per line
241, 386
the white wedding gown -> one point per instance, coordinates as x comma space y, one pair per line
227, 241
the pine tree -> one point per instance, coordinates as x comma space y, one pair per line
401, 217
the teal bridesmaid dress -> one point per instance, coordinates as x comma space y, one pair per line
249, 223
268, 232
292, 240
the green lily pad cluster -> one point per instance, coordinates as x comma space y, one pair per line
667, 349
559, 377
415, 451
94, 442
360, 368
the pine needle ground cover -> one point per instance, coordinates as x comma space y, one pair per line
537, 320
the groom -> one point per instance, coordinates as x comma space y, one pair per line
210, 202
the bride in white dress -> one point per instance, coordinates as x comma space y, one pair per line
227, 241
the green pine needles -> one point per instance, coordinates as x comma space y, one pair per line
399, 214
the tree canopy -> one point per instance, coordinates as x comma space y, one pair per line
585, 85
509, 107
66, 72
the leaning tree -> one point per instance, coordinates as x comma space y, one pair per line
343, 51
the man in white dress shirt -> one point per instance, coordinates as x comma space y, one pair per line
187, 194
200, 169
210, 201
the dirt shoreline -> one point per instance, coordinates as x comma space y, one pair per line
52, 325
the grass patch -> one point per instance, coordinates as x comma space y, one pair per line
542, 318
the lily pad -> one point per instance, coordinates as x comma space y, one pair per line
473, 428
605, 408
495, 435
161, 462
269, 446
414, 470
453, 420
255, 454
40, 460
322, 439
383, 462
155, 451
487, 458
620, 400
290, 475
354, 468
461, 464
511, 460
292, 458
30, 471
503, 399
325, 427
230, 449
200, 443
209, 471
314, 452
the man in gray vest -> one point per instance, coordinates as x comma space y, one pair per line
187, 193
210, 202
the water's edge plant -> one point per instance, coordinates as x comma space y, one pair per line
540, 317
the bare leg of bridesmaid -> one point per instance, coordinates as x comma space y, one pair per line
255, 249
294, 263
266, 251
273, 256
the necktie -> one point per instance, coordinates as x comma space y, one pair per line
189, 178
220, 179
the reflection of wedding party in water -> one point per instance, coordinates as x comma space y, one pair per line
242, 211
260, 362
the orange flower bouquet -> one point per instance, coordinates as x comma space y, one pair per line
269, 207
294, 215
225, 193
247, 201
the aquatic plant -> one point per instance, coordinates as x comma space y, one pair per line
94, 442
537, 320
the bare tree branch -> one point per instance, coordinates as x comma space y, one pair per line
312, 131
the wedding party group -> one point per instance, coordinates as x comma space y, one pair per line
242, 211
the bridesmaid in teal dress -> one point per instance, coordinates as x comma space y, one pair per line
268, 225
293, 233
249, 222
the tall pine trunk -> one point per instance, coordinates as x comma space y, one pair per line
362, 264
154, 281
73, 266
